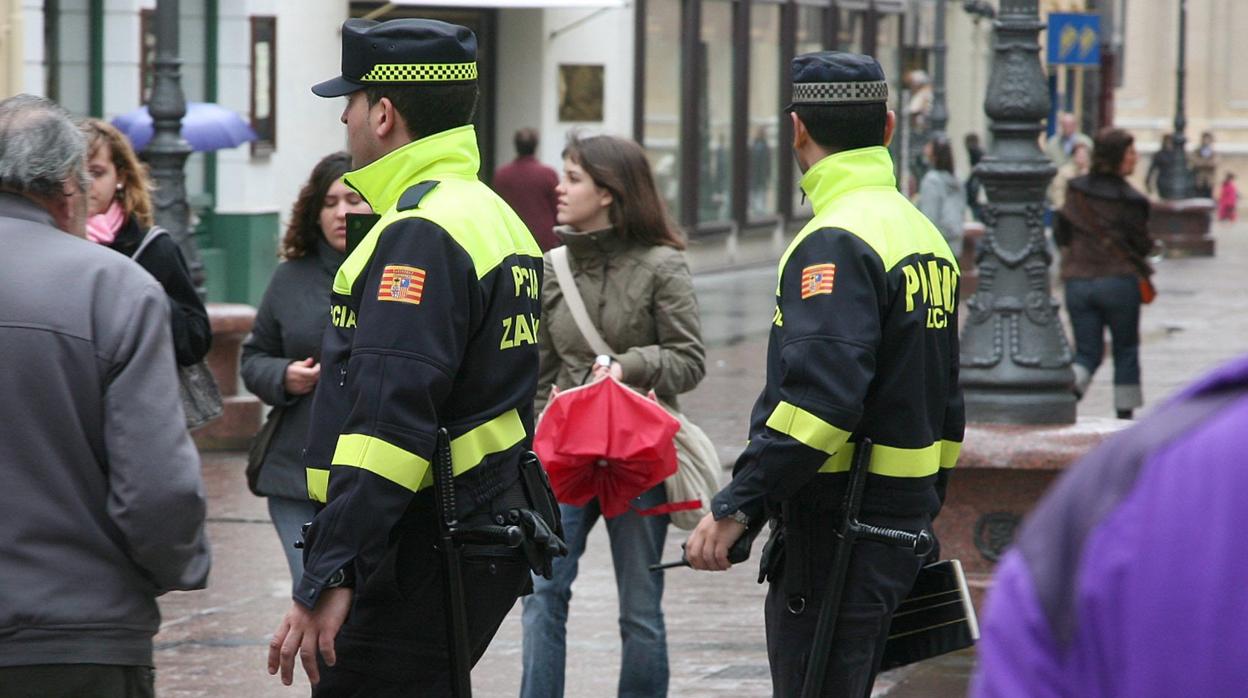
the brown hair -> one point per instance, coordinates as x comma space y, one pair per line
942, 154
304, 228
619, 165
136, 185
1108, 150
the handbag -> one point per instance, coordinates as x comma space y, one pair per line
691, 488
201, 399
259, 448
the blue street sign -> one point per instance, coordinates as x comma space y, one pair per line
1074, 39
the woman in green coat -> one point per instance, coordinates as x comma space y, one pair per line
628, 261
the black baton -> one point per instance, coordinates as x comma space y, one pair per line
448, 525
849, 533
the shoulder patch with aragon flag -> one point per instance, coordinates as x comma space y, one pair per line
817, 279
402, 284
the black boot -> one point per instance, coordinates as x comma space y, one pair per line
1124, 414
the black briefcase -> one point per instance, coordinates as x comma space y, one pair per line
936, 618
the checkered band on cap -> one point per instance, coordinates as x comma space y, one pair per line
840, 92
421, 72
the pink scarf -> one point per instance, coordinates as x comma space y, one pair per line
102, 228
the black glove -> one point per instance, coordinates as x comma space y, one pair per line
541, 545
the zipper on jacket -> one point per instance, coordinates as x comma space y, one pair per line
342, 375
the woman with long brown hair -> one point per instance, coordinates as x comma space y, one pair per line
1102, 230
626, 257
281, 357
120, 208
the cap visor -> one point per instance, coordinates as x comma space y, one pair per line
336, 87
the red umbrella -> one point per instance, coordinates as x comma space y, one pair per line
603, 440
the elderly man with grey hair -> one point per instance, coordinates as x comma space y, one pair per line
102, 499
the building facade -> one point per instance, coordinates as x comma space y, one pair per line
700, 83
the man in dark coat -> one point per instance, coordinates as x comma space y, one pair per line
528, 187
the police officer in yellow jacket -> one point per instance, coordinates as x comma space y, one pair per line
433, 324
863, 344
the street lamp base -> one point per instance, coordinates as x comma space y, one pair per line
1002, 405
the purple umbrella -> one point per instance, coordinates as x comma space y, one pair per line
206, 126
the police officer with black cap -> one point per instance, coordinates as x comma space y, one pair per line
863, 345
432, 325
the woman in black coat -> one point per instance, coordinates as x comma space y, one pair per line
281, 357
120, 208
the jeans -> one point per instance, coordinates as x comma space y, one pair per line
636, 542
1107, 301
289, 516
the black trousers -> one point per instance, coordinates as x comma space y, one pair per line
77, 681
394, 642
878, 578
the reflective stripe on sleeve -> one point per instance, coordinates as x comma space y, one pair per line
891, 461
318, 484
805, 427
409, 470
949, 451
382, 458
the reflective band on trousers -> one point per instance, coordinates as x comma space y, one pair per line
409, 470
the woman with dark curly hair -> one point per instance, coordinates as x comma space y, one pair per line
281, 358
1102, 230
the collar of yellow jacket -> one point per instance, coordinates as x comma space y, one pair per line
446, 155
846, 171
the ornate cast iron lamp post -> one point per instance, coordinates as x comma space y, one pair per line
938, 119
1015, 357
167, 153
1176, 181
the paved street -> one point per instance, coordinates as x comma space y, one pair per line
212, 643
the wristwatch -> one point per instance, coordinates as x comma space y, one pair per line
740, 517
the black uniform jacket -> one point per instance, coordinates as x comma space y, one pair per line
864, 342
433, 323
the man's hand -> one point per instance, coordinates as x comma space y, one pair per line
707, 548
301, 376
305, 632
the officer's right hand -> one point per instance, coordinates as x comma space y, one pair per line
301, 376
708, 545
305, 632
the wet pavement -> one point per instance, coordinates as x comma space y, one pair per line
212, 643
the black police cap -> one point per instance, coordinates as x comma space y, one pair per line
402, 52
831, 78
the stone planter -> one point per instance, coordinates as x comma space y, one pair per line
231, 322
1182, 225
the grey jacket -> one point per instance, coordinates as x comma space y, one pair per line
942, 198
641, 300
102, 507
289, 326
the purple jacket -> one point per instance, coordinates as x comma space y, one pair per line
1131, 576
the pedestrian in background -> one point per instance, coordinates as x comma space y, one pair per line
1127, 579
1061, 145
1079, 165
281, 358
1228, 198
628, 261
941, 196
1159, 165
528, 187
1102, 230
864, 345
974, 188
1204, 166
121, 218
102, 500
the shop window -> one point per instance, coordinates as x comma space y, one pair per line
661, 122
715, 113
764, 146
